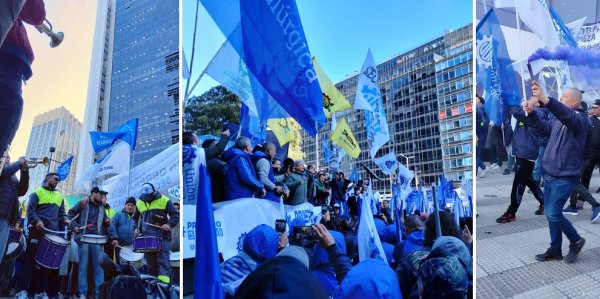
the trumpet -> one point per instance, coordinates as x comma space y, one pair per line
35, 161
55, 37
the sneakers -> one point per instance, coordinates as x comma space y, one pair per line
570, 211
595, 214
574, 250
506, 171
41, 296
506, 217
21, 295
494, 166
549, 256
540, 210
483, 173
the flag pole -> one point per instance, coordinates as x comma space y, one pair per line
520, 49
187, 94
317, 147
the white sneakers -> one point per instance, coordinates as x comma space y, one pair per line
483, 173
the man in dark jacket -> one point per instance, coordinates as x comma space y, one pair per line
240, 176
121, 226
525, 150
16, 57
10, 190
562, 163
594, 158
483, 122
45, 210
156, 210
216, 166
89, 219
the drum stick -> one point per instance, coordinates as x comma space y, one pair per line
157, 226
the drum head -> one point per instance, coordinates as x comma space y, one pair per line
174, 256
129, 255
56, 239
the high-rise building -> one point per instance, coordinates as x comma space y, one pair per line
411, 98
57, 129
134, 73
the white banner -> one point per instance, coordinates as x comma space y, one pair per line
589, 37
162, 171
115, 161
191, 166
235, 218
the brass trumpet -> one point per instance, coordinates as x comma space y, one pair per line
35, 161
55, 37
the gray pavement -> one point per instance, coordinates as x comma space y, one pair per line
505, 263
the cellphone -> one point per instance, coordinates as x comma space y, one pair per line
304, 233
324, 209
280, 225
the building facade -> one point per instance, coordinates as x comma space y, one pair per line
57, 128
411, 96
134, 74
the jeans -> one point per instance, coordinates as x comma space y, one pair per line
538, 170
478, 160
10, 114
523, 179
90, 253
582, 193
556, 193
511, 159
3, 237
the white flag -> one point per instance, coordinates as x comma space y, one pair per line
369, 245
115, 161
387, 163
367, 90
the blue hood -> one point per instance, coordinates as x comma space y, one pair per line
261, 243
451, 246
232, 153
389, 234
320, 256
414, 241
371, 278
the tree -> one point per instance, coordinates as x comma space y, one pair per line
206, 114
295, 150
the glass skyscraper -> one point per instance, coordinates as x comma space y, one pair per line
135, 74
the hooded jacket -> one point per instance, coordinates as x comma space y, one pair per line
325, 261
371, 278
283, 277
264, 172
158, 211
568, 135
121, 228
526, 138
10, 190
240, 175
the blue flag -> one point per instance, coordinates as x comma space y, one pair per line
207, 272
281, 152
252, 126
494, 69
326, 150
64, 168
563, 32
355, 176
126, 132
270, 39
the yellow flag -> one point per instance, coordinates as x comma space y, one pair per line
283, 129
333, 100
343, 137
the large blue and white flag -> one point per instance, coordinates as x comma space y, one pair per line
252, 127
494, 68
269, 38
127, 132
64, 168
207, 272
405, 176
387, 163
367, 87
116, 161
369, 244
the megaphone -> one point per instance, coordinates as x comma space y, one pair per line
55, 37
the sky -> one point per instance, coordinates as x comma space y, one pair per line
339, 34
60, 75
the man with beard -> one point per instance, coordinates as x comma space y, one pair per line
45, 210
155, 210
89, 218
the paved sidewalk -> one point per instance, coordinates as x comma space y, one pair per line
506, 267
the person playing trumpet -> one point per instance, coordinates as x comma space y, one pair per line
11, 188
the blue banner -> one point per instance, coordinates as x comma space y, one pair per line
494, 69
64, 168
252, 126
126, 132
270, 39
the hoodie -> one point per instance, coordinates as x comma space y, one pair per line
371, 278
323, 266
240, 176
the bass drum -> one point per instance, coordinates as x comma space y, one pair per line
14, 249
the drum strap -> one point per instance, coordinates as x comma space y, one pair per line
86, 211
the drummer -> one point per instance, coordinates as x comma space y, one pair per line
121, 226
90, 224
158, 218
45, 211
11, 188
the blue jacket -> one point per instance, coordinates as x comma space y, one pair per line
414, 241
51, 211
10, 190
326, 261
371, 278
525, 137
545, 115
240, 176
568, 133
121, 228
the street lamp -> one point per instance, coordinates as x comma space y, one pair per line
52, 150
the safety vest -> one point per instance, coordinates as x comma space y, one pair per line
157, 204
46, 196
